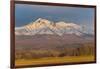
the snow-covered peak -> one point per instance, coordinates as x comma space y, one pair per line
44, 26
69, 25
42, 21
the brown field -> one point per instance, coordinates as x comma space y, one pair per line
84, 53
54, 60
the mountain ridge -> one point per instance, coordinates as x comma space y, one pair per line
44, 26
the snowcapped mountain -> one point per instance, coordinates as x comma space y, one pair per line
44, 26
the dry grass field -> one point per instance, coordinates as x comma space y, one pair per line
54, 60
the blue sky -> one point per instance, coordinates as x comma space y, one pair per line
25, 13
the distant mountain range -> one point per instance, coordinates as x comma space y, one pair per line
44, 26
45, 34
